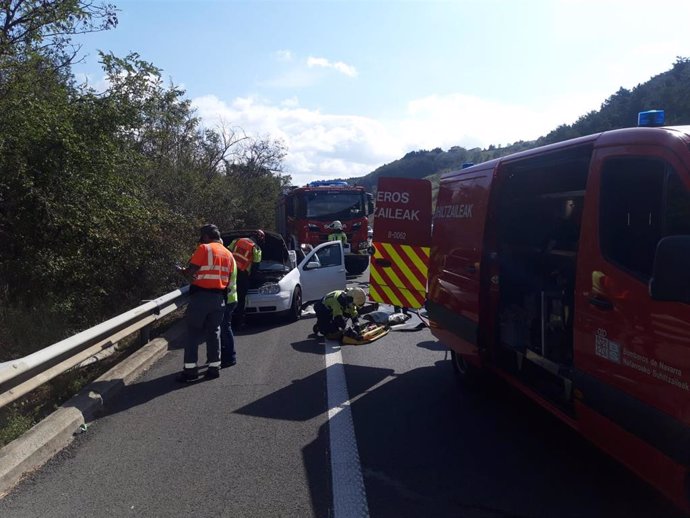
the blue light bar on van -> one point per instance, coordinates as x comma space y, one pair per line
651, 118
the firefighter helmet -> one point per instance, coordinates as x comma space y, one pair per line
359, 297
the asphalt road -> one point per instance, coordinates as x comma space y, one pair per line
255, 443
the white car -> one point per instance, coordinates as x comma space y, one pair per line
280, 286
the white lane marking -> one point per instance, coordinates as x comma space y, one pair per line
349, 494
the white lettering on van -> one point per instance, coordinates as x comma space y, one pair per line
393, 197
391, 213
652, 367
454, 211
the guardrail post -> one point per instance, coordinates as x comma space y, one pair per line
145, 335
145, 332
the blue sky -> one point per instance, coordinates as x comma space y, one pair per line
351, 85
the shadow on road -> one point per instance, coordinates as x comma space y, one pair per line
311, 345
432, 345
142, 392
484, 453
304, 398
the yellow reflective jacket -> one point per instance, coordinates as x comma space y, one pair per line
338, 305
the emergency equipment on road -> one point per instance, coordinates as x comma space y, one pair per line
366, 335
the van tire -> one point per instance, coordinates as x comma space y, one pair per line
466, 374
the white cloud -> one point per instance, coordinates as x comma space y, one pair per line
283, 55
468, 121
292, 102
341, 67
319, 145
291, 79
100, 85
322, 145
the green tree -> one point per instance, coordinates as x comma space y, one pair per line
46, 27
101, 192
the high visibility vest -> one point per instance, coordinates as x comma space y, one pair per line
332, 302
243, 251
232, 287
215, 266
335, 236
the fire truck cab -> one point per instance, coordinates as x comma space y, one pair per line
304, 216
565, 270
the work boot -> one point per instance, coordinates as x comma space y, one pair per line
225, 364
212, 373
188, 375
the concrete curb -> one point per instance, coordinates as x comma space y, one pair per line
33, 449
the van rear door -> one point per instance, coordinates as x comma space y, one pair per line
402, 235
457, 247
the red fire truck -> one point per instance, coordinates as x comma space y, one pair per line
304, 215
565, 270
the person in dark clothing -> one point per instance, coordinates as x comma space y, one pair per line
209, 271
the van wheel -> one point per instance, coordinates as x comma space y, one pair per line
466, 374
296, 307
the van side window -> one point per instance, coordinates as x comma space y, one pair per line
642, 200
677, 218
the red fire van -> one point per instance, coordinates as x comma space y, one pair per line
566, 271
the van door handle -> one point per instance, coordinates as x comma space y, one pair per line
383, 263
601, 303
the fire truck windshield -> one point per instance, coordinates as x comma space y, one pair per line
331, 205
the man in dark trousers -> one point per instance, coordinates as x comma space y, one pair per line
209, 270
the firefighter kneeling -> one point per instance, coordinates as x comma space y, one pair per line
335, 308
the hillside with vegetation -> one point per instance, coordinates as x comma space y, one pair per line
669, 91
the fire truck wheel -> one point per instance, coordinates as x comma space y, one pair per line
356, 265
296, 307
466, 374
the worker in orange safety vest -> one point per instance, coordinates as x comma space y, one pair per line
247, 252
209, 270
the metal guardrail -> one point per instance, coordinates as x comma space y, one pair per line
21, 376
